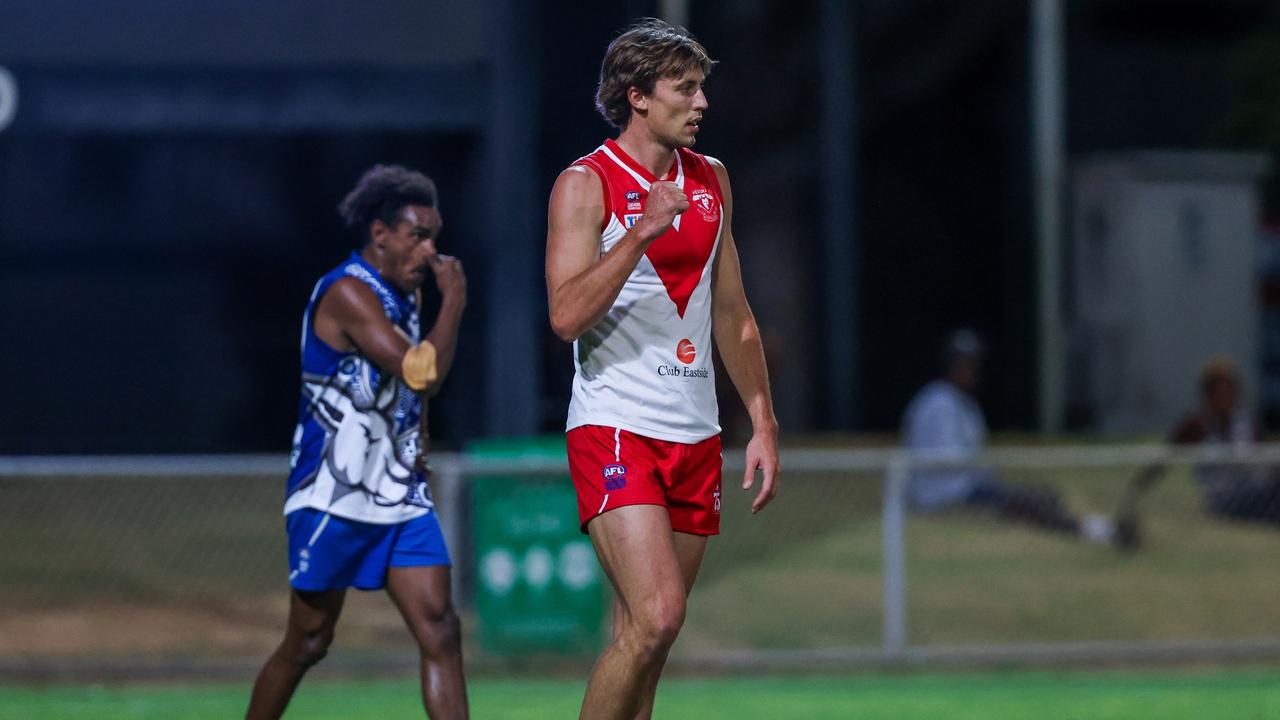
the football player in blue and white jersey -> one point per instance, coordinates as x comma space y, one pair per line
358, 509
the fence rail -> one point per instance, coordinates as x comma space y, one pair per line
806, 460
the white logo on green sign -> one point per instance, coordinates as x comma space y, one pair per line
577, 566
574, 566
498, 570
538, 567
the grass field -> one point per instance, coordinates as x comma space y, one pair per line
814, 578
1220, 695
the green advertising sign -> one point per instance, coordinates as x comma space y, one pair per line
538, 585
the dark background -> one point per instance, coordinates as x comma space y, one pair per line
167, 190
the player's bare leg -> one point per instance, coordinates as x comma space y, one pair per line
424, 597
636, 548
689, 551
312, 618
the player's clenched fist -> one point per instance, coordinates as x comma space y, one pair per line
450, 279
666, 201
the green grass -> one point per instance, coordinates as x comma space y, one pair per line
1222, 695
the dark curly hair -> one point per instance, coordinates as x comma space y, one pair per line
644, 53
382, 192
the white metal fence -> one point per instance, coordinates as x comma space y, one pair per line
152, 563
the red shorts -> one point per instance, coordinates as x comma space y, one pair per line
612, 467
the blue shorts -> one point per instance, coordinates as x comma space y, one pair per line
327, 552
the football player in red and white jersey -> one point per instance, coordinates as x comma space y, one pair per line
642, 274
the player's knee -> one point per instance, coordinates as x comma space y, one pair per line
657, 625
311, 647
440, 633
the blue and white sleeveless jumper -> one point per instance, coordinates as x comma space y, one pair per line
357, 436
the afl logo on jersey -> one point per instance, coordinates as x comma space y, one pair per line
706, 204
686, 352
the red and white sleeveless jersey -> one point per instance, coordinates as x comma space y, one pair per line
646, 366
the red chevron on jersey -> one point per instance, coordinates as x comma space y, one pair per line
681, 254
679, 257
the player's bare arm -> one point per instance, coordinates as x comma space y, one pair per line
737, 338
452, 284
350, 317
581, 283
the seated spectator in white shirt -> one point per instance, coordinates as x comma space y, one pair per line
945, 421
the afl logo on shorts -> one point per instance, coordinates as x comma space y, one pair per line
686, 352
705, 202
615, 477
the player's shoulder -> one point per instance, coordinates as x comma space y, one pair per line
579, 172
696, 158
710, 165
578, 181
594, 162
350, 294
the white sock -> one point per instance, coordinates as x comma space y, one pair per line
1097, 528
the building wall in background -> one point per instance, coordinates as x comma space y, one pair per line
243, 32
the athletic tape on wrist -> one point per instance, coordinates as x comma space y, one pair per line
419, 366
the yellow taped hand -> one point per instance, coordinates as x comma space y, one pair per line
419, 366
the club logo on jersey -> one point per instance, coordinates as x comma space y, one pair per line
615, 477
686, 352
706, 204
630, 220
419, 495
